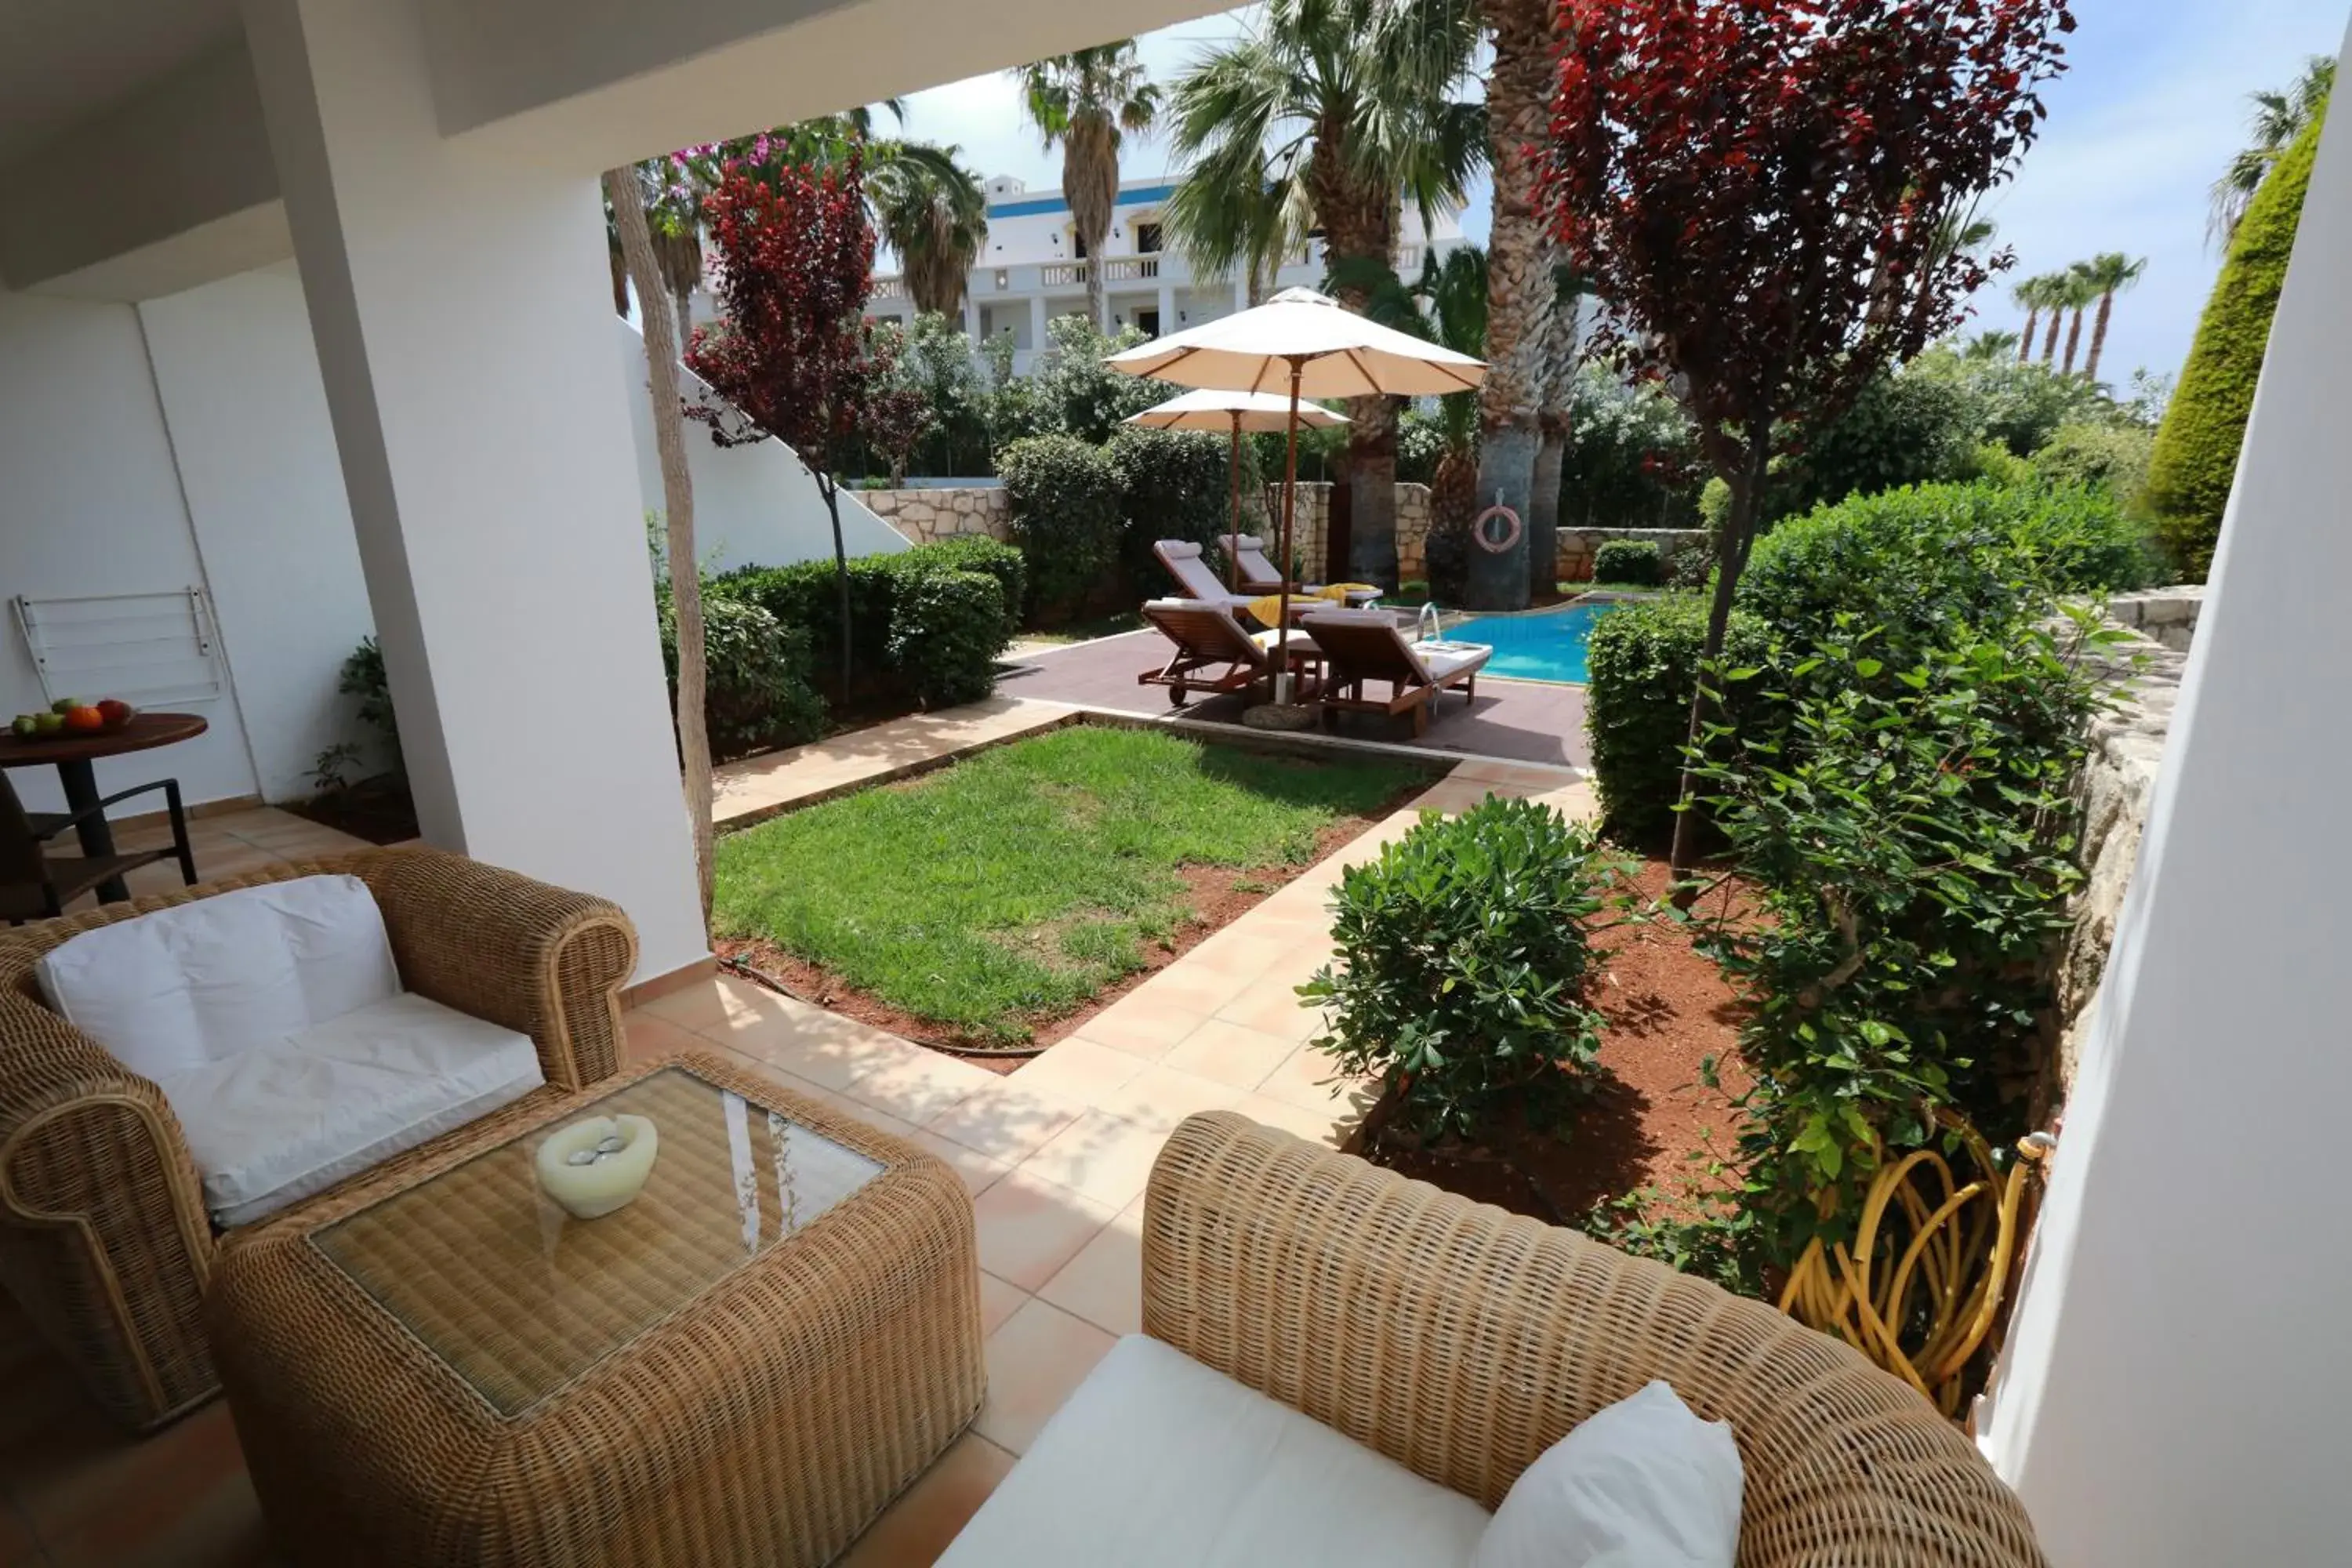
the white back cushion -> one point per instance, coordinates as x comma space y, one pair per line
1643, 1484
171, 991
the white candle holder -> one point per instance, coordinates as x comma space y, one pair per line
619, 1152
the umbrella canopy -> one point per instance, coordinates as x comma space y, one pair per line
1210, 409
1338, 354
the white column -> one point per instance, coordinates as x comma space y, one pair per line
970, 317
464, 323
1168, 323
2178, 1372
1037, 322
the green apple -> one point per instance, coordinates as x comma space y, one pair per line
65, 703
49, 723
26, 724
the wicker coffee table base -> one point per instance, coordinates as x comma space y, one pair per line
766, 1422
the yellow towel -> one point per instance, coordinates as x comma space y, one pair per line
1264, 611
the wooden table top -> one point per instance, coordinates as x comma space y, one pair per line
145, 732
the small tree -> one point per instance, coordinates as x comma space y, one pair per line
1758, 191
793, 353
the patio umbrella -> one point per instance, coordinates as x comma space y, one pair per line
1307, 346
1210, 409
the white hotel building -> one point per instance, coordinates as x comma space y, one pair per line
1032, 268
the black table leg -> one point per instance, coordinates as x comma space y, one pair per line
80, 782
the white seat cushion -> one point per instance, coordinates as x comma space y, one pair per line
1443, 664
1156, 1459
1642, 1484
173, 989
283, 1119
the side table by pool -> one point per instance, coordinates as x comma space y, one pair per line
745, 1366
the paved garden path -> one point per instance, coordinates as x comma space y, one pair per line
759, 787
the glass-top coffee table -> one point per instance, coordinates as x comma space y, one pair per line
744, 1364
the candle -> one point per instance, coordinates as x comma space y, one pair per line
597, 1165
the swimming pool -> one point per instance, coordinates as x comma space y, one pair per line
1548, 646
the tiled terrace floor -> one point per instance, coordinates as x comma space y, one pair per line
1056, 1157
228, 845
1522, 721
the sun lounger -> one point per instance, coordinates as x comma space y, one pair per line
1365, 645
1194, 578
1213, 653
1261, 576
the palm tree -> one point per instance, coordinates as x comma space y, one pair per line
932, 211
1988, 346
2031, 293
2076, 290
2278, 119
1255, 224
1336, 112
1089, 102
2054, 288
2110, 272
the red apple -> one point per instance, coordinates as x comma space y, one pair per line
116, 712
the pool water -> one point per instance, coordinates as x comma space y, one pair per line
1548, 646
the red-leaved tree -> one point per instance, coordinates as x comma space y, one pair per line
1764, 195
793, 353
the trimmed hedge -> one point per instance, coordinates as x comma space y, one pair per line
2113, 457
1643, 661
946, 629
757, 691
1632, 563
2196, 456
1172, 484
1064, 499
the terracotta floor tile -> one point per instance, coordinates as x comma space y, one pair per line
79, 1481
1099, 1156
1331, 1127
998, 1301
822, 1047
919, 1087
1270, 1005
1311, 1080
1078, 1069
1193, 988
1230, 1054
1160, 1097
649, 1035
1035, 1362
1142, 1027
977, 1170
917, 1528
1104, 1283
1006, 1120
1029, 1227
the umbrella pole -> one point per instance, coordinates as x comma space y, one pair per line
1282, 567
1232, 555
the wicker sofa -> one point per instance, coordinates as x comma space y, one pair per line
104, 1237
1458, 1341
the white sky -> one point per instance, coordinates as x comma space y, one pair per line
2151, 111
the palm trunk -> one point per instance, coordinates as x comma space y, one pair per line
1363, 224
2049, 341
1731, 558
2026, 343
1543, 505
2099, 335
678, 502
2073, 341
1095, 306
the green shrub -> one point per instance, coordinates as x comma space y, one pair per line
1909, 851
757, 692
1643, 662
946, 630
977, 553
1999, 465
363, 677
1632, 562
2196, 456
1065, 500
1631, 459
1172, 484
1903, 429
2112, 458
1460, 983
2019, 407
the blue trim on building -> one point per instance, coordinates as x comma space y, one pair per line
1040, 206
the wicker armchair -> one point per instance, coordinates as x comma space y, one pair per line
104, 1239
1462, 1341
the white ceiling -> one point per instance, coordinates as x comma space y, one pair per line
62, 61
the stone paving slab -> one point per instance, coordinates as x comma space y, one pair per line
756, 788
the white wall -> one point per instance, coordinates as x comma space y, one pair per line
239, 383
90, 504
753, 506
2175, 1379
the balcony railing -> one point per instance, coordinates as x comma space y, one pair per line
891, 288
1126, 267
1061, 273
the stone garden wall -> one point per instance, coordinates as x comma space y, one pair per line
2127, 751
928, 515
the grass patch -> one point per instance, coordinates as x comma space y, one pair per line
1017, 884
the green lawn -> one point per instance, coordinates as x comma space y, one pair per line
1014, 886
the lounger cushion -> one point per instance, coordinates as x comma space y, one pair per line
1448, 665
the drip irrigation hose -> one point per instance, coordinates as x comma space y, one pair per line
761, 977
1920, 1288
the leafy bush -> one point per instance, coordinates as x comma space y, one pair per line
2112, 458
2020, 406
1910, 854
1065, 497
1631, 459
946, 630
1903, 429
1632, 561
1998, 464
2196, 457
1463, 951
1643, 661
363, 677
977, 553
1421, 444
758, 693
1072, 393
1172, 484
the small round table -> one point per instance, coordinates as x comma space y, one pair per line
73, 756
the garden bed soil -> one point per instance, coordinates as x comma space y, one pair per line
1217, 896
379, 810
1651, 1121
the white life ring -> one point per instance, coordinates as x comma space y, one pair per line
1510, 538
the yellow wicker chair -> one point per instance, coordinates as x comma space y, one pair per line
104, 1240
1462, 1341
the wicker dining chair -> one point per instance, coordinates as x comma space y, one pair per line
1462, 1341
104, 1239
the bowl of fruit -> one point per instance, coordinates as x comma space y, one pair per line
74, 716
